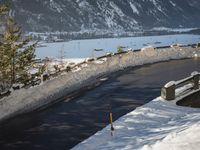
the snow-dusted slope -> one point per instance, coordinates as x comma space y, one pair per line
75, 15
158, 125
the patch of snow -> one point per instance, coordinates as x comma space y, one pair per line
33, 71
84, 65
180, 92
76, 69
158, 125
155, 3
194, 73
173, 4
104, 59
188, 139
82, 3
135, 10
99, 61
103, 79
56, 6
109, 21
195, 55
171, 83
117, 9
74, 60
147, 48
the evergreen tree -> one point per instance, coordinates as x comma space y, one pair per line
16, 54
3, 57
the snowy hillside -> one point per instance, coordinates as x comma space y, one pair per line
128, 15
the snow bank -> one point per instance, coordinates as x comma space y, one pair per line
171, 83
188, 139
158, 125
26, 100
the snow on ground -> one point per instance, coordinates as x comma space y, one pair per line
183, 140
158, 125
68, 61
62, 63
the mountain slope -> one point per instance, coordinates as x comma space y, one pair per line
127, 15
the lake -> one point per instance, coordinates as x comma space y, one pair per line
84, 48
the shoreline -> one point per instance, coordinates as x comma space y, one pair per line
52, 91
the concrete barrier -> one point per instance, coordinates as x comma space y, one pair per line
168, 92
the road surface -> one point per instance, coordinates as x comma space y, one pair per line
65, 124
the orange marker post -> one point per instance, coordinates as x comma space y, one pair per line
111, 124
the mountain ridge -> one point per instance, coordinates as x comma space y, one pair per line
125, 15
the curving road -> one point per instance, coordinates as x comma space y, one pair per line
65, 124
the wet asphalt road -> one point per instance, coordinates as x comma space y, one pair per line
65, 124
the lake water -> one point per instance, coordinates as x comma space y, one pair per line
84, 48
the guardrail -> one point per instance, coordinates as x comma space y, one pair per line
169, 92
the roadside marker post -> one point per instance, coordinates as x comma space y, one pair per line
111, 124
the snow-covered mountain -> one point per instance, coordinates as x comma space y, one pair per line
125, 15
